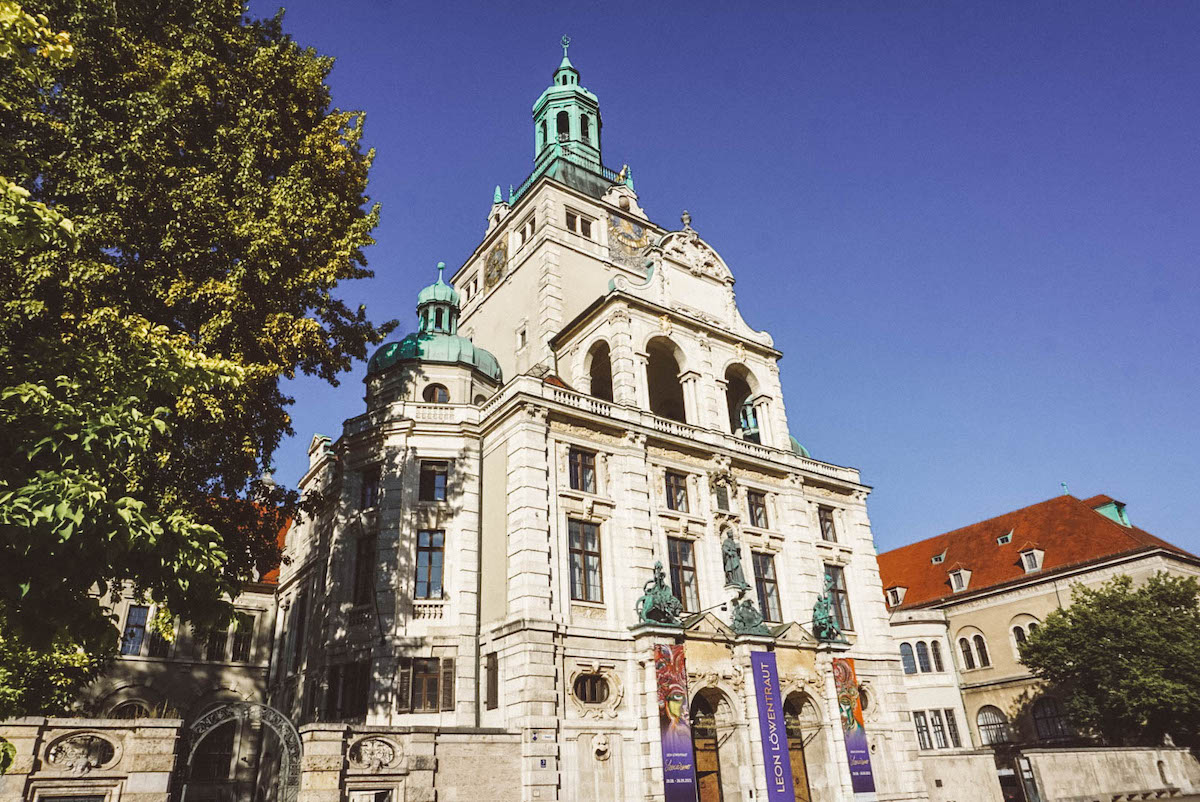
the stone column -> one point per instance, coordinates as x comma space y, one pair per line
321, 765
691, 398
722, 406
762, 412
23, 733
641, 372
625, 375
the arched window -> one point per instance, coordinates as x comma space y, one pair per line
564, 124
1032, 627
743, 422
436, 394
967, 657
982, 652
1049, 719
936, 648
130, 710
906, 659
214, 754
662, 374
993, 726
585, 128
1019, 634
923, 657
600, 371
542, 133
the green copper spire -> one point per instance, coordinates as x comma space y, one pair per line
566, 118
496, 197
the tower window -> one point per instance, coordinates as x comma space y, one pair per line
436, 394
437, 319
585, 128
564, 123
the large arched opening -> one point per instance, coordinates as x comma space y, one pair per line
740, 388
662, 377
599, 369
717, 743
805, 746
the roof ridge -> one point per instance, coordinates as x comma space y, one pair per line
977, 523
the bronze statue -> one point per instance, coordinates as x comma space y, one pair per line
731, 555
824, 623
657, 604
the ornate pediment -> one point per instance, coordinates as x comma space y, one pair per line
694, 254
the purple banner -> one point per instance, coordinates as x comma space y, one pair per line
858, 751
679, 761
776, 758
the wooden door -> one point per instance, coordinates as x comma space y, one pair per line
795, 736
704, 743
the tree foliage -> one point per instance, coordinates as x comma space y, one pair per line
216, 200
1125, 659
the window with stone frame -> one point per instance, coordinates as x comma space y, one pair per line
993, 726
939, 729
922, 729
157, 644
756, 502
582, 469
907, 662
825, 517
369, 488
135, 629
767, 586
243, 636
349, 690
841, 597
492, 670
676, 490
952, 727
364, 571
425, 684
431, 549
584, 545
435, 476
297, 629
682, 559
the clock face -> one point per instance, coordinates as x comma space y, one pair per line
626, 240
496, 262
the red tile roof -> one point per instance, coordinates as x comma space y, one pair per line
272, 577
1069, 531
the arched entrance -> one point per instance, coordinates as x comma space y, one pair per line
717, 743
802, 725
211, 738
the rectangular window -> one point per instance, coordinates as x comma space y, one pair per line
768, 588
243, 636
214, 645
299, 625
579, 224
369, 492
922, 730
757, 502
371, 796
952, 727
825, 516
683, 573
585, 227
586, 584
158, 645
939, 732
434, 476
426, 673
492, 700
583, 470
356, 689
956, 580
431, 546
1030, 558
841, 600
572, 221
723, 498
135, 629
364, 570
677, 492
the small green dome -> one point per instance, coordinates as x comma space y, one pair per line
435, 347
797, 448
438, 292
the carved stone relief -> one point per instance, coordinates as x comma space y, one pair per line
375, 754
81, 753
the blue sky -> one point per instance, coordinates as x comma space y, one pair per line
972, 228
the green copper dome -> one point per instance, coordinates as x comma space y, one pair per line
436, 338
797, 448
439, 291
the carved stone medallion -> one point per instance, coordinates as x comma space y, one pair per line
374, 754
80, 754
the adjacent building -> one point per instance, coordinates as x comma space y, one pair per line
962, 602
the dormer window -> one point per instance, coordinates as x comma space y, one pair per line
895, 596
959, 579
937, 558
1000, 541
1031, 560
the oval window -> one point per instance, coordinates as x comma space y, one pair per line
591, 689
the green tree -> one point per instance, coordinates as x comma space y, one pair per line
1125, 659
217, 201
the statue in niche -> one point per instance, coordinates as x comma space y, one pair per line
731, 556
657, 604
824, 623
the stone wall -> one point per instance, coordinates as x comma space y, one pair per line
119, 760
1092, 775
961, 777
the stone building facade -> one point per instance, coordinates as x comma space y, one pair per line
470, 591
978, 591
